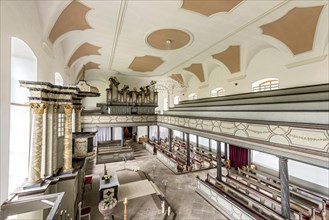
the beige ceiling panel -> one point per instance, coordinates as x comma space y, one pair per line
72, 18
177, 77
230, 58
85, 49
88, 66
296, 29
197, 70
210, 7
146, 63
168, 39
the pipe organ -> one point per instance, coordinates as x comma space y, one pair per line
126, 102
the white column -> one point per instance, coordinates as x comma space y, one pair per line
67, 151
36, 151
49, 141
55, 139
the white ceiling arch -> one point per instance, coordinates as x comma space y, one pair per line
121, 27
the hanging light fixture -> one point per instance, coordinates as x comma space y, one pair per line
168, 44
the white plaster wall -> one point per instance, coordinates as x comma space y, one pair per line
267, 63
21, 19
117, 133
161, 97
141, 131
92, 101
177, 134
163, 132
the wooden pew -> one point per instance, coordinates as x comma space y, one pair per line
249, 202
274, 181
312, 205
299, 211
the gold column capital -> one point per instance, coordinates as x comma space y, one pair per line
68, 108
56, 108
78, 108
38, 108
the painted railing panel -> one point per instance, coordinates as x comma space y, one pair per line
171, 164
224, 205
149, 148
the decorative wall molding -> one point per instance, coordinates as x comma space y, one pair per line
305, 138
117, 120
302, 143
294, 140
235, 78
306, 61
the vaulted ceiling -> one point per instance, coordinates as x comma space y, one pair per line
174, 38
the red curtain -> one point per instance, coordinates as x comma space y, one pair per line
238, 156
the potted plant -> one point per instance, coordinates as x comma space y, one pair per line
106, 178
106, 207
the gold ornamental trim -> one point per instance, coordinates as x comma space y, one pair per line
68, 109
38, 108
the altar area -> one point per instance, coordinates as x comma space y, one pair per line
144, 203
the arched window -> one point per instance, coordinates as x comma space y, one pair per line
265, 85
217, 92
176, 100
192, 96
59, 79
23, 67
165, 104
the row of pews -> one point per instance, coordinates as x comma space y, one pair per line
111, 151
200, 158
259, 193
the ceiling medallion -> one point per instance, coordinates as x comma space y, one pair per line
168, 39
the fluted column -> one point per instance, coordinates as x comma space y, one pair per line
285, 194
77, 110
55, 138
67, 151
36, 151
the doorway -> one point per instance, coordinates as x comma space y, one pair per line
128, 132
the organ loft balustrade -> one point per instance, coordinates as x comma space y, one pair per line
126, 102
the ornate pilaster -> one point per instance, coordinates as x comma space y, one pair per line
49, 117
36, 151
77, 110
67, 151
285, 194
55, 138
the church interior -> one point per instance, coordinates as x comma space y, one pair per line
186, 109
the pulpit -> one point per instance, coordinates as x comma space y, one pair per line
82, 144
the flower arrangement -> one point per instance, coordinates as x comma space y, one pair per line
106, 177
106, 206
109, 202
